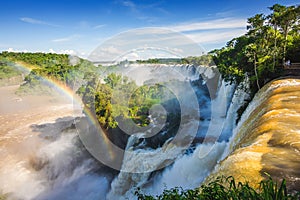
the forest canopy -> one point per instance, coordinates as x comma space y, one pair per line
61, 68
271, 42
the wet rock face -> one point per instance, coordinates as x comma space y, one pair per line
267, 140
52, 131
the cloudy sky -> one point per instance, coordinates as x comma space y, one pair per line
80, 26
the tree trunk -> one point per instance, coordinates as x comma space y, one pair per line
285, 43
275, 48
256, 74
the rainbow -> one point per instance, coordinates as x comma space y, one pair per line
68, 92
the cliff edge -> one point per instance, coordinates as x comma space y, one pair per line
267, 139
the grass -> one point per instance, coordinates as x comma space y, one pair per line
227, 189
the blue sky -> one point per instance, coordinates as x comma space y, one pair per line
70, 26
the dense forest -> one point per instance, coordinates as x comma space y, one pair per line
203, 60
271, 42
43, 67
109, 99
116, 101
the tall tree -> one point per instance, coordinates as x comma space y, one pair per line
287, 19
251, 50
274, 21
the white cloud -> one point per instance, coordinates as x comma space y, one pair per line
36, 21
225, 23
139, 10
10, 49
66, 39
51, 51
99, 26
61, 51
215, 36
151, 39
69, 52
129, 4
31, 20
106, 53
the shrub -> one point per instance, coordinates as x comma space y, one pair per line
226, 188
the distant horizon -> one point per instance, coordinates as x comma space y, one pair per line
77, 28
106, 61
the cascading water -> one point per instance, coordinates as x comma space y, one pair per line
189, 170
265, 139
185, 166
61, 168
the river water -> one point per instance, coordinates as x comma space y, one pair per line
267, 138
44, 158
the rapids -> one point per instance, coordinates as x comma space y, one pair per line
266, 139
44, 158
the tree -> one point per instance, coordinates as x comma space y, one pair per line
251, 50
287, 18
269, 39
113, 80
274, 21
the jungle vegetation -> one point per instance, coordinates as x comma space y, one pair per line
271, 42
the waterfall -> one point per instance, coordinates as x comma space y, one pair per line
238, 131
238, 100
266, 138
60, 167
143, 73
189, 170
125, 183
240, 96
67, 168
139, 163
53, 165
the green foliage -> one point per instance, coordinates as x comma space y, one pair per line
119, 98
149, 61
54, 67
204, 60
37, 59
262, 51
105, 70
8, 71
227, 188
